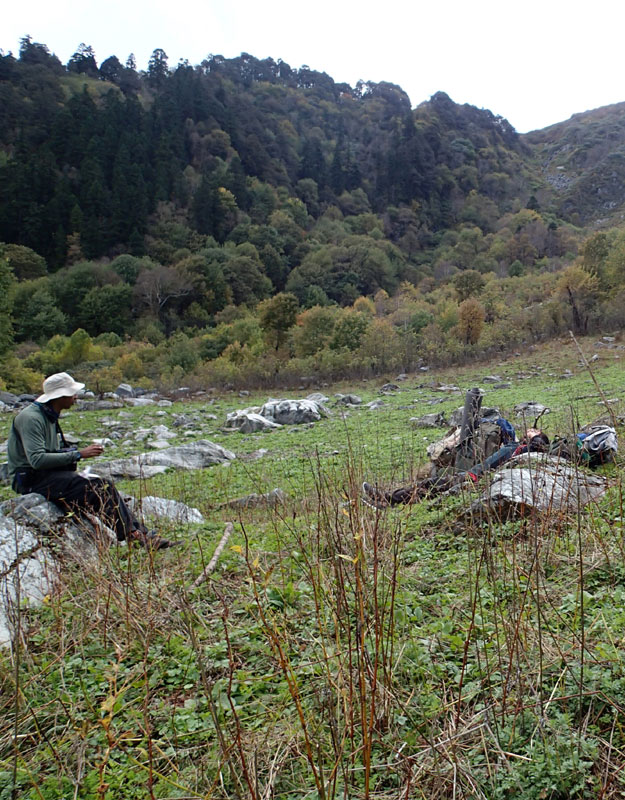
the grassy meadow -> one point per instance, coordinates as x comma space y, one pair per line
335, 651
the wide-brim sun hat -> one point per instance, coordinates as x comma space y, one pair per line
61, 384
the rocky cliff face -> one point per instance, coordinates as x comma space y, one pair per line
583, 161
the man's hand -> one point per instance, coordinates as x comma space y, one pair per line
91, 451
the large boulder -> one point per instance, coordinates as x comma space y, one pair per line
194, 455
160, 507
249, 422
125, 390
292, 412
29, 568
534, 482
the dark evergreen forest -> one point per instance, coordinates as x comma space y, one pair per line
175, 200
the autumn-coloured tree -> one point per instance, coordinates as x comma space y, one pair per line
470, 320
578, 288
277, 315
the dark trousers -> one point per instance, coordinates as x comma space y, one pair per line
433, 486
425, 488
502, 455
71, 492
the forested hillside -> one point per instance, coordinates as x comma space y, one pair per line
242, 220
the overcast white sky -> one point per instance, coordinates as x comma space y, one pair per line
534, 62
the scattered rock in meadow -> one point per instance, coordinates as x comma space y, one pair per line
254, 455
389, 388
98, 405
194, 455
429, 421
270, 499
348, 399
375, 404
160, 507
9, 399
249, 422
492, 379
530, 409
140, 401
293, 412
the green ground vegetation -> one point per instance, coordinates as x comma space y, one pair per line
336, 651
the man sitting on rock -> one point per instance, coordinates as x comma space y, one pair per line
40, 461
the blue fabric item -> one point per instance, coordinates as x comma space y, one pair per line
508, 434
502, 455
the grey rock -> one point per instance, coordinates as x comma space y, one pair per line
534, 482
164, 403
503, 385
182, 420
163, 432
270, 499
348, 399
249, 422
255, 455
124, 390
487, 413
9, 399
455, 419
318, 397
429, 421
193, 455
140, 401
491, 379
375, 404
98, 405
293, 412
389, 387
28, 568
170, 509
402, 377
608, 339
530, 409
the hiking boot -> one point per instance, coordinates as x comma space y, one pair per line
151, 540
373, 497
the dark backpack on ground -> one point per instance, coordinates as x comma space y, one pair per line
486, 440
593, 446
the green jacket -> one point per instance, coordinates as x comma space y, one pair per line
34, 443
